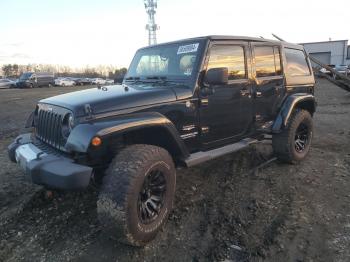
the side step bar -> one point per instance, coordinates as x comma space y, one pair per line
200, 157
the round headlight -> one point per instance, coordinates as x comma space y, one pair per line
67, 124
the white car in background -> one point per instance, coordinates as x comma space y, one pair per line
7, 83
109, 81
98, 81
64, 82
343, 69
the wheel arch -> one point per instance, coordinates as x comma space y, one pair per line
163, 138
301, 101
147, 128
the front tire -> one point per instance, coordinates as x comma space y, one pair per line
293, 143
137, 194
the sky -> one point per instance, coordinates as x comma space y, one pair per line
81, 33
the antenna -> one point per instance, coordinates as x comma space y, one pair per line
151, 26
278, 38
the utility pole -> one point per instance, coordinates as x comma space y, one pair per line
151, 26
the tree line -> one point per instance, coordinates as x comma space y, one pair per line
15, 70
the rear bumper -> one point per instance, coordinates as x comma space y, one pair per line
46, 169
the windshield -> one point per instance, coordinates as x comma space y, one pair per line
25, 76
169, 61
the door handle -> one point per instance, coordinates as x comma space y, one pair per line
258, 94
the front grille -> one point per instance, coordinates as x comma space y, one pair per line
49, 126
48, 149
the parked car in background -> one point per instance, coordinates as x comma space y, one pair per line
343, 69
82, 81
326, 71
109, 81
118, 80
38, 79
7, 83
64, 82
98, 81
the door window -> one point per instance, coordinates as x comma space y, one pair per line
229, 56
267, 61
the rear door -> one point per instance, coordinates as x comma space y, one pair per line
269, 82
227, 113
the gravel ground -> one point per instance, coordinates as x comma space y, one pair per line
236, 208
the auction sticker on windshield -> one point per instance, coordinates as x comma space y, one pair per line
183, 49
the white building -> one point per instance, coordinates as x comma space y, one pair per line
330, 52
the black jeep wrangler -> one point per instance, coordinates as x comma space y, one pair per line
180, 104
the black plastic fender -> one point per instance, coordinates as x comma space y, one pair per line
289, 104
80, 138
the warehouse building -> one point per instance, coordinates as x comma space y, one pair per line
330, 52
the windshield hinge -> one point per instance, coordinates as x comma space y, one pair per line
88, 111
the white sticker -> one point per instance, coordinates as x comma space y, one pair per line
187, 48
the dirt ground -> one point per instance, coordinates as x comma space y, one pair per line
235, 208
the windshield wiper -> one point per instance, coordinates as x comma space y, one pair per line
132, 78
152, 79
161, 79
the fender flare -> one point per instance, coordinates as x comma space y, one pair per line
287, 108
80, 138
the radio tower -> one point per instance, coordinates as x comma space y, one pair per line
150, 6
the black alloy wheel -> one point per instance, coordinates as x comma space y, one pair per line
151, 197
137, 194
293, 143
301, 138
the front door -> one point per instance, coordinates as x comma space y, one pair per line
226, 113
269, 82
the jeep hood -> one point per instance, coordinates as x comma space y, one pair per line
112, 98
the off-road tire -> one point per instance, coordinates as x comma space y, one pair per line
117, 205
284, 143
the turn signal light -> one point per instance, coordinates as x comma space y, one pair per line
96, 141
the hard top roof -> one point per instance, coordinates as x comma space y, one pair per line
228, 38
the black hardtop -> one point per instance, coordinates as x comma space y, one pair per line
232, 38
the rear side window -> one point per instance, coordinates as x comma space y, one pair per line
267, 61
229, 56
296, 63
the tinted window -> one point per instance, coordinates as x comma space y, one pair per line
296, 63
231, 57
267, 61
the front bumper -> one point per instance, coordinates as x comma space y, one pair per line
52, 171
23, 84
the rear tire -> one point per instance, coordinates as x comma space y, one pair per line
137, 194
293, 143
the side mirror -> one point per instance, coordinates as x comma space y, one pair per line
217, 76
